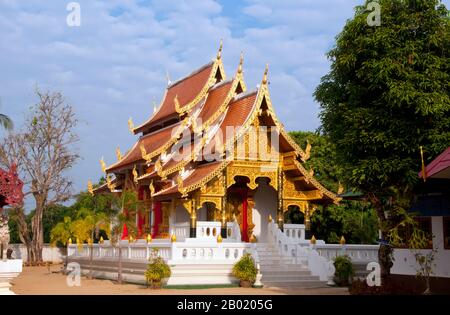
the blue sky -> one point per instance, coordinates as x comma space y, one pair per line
114, 65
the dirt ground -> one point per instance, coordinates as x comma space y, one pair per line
39, 281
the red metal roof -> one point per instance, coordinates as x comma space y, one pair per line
439, 167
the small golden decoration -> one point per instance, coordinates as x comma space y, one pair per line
130, 239
90, 187
342, 240
307, 151
340, 189
241, 61
177, 105
103, 165
135, 174
173, 238
131, 125
118, 154
219, 52
143, 151
313, 240
253, 239
69, 241
219, 239
149, 238
152, 188
270, 218
90, 241
264, 80
101, 240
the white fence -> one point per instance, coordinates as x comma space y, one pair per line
317, 257
49, 253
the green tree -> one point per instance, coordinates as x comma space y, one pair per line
388, 93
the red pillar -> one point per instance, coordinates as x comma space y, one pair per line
157, 217
244, 234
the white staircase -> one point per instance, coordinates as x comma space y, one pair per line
280, 271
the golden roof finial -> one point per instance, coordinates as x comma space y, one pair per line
241, 61
110, 184
219, 52
130, 125
90, 187
103, 165
118, 154
264, 80
143, 151
135, 174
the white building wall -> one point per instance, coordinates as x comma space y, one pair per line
265, 204
405, 263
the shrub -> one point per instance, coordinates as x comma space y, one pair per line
245, 269
344, 270
157, 270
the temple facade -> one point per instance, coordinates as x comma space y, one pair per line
214, 161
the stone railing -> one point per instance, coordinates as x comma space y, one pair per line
301, 253
138, 251
208, 252
181, 230
208, 230
357, 253
294, 231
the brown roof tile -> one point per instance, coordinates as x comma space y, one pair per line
152, 142
185, 89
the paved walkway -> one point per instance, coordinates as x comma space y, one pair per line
38, 280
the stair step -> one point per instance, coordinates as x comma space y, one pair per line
289, 278
296, 284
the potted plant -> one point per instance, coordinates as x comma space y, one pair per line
344, 270
245, 271
157, 270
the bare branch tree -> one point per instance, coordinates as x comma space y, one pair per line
44, 151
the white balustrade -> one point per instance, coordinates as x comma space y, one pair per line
357, 253
208, 252
181, 230
208, 230
294, 231
233, 231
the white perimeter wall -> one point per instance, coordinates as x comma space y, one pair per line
265, 204
405, 263
50, 254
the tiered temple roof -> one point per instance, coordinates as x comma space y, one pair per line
195, 111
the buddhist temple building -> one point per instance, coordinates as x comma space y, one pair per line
214, 153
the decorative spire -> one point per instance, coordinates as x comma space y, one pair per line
103, 165
154, 107
168, 78
118, 154
131, 125
219, 52
241, 61
90, 187
264, 80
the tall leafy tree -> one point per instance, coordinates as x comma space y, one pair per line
387, 93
